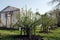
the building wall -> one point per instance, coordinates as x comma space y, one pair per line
14, 19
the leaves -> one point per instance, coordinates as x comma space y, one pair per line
56, 1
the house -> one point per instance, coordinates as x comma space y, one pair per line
8, 16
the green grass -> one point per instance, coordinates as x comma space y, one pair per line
5, 34
54, 35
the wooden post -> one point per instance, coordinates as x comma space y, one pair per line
6, 18
11, 13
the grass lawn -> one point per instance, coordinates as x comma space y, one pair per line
54, 35
5, 34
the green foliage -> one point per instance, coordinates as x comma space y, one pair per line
56, 1
47, 21
28, 19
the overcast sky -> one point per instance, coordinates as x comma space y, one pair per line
41, 5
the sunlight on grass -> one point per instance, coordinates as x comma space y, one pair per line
54, 35
4, 33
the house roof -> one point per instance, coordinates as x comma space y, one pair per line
9, 8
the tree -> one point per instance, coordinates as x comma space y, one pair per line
47, 21
56, 13
44, 21
29, 21
56, 1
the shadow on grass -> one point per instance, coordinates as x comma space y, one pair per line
45, 32
21, 37
51, 38
5, 28
24, 37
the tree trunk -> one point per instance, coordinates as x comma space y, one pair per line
28, 32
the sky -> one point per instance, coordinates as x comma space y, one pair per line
42, 5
